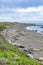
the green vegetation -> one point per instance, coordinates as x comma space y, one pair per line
11, 55
3, 26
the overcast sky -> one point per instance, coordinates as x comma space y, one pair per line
21, 10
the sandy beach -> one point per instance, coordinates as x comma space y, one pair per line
26, 40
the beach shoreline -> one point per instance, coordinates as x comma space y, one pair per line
26, 40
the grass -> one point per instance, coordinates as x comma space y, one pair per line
3, 26
11, 55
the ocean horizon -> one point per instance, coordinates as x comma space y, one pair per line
38, 28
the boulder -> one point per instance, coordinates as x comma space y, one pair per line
40, 59
33, 50
30, 56
20, 46
30, 51
36, 49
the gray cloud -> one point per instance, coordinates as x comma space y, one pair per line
21, 14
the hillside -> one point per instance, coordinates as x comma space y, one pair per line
11, 55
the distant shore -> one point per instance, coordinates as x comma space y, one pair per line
29, 41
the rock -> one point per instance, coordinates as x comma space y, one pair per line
36, 49
16, 30
16, 35
9, 41
16, 39
33, 50
30, 56
36, 30
30, 50
42, 63
22, 34
14, 43
20, 46
41, 27
25, 51
40, 59
10, 36
42, 31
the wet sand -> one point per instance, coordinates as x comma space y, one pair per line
26, 40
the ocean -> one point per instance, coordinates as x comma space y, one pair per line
38, 28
